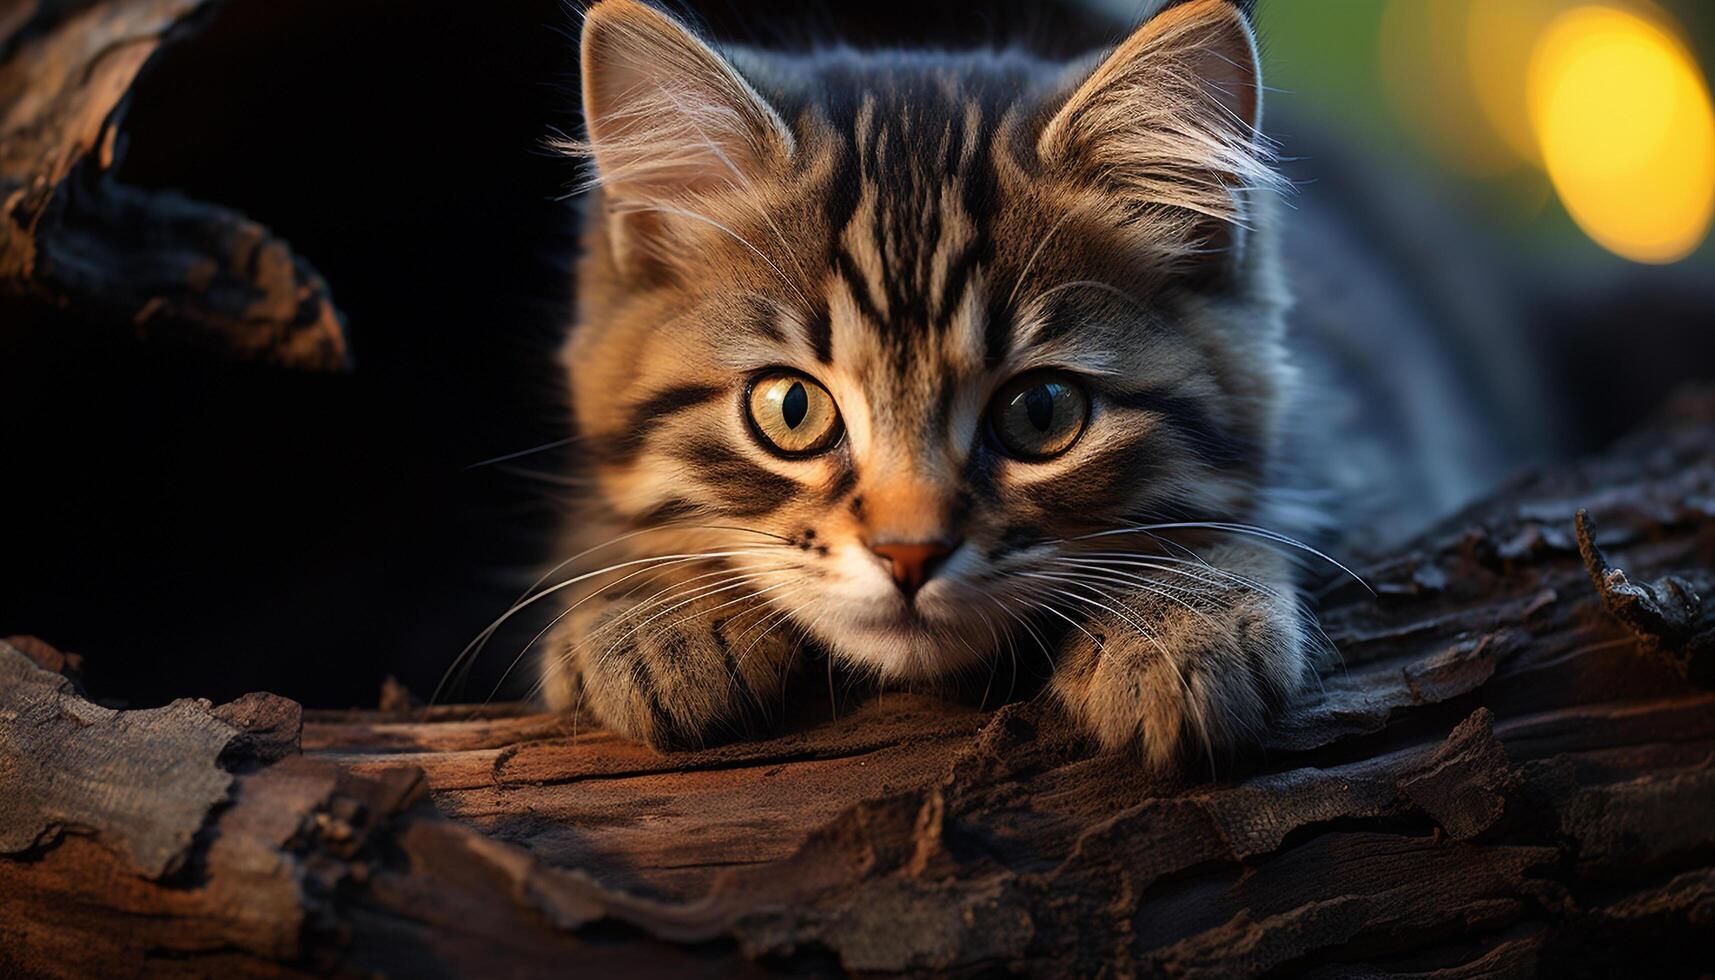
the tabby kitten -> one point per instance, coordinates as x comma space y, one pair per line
924, 358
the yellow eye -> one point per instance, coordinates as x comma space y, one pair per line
794, 415
1038, 416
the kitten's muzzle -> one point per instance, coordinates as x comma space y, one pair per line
912, 563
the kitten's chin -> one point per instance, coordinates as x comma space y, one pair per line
906, 650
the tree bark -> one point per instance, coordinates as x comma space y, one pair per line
1512, 771
153, 263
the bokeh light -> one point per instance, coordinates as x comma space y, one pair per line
1623, 121
1427, 73
1599, 104
1499, 39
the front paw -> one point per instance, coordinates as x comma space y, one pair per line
682, 681
1168, 682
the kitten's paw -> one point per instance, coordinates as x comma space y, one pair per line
1176, 682
685, 680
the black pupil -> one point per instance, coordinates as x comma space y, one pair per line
1039, 406
795, 404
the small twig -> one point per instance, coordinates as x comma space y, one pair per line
1668, 616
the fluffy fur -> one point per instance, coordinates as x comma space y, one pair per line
912, 230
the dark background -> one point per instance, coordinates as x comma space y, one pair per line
199, 528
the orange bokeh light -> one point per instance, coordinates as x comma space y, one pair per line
1623, 122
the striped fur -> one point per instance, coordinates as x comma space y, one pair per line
912, 230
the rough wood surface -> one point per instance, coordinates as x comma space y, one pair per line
1501, 779
150, 262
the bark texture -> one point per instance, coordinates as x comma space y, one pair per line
1512, 772
154, 263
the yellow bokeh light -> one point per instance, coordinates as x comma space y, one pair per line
1623, 122
1499, 38
1425, 71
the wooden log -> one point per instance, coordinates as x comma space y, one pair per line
153, 263
1499, 779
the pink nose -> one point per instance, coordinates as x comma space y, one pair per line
913, 563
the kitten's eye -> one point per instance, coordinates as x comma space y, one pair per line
794, 415
1038, 416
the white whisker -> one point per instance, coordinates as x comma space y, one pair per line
1247, 529
475, 646
556, 444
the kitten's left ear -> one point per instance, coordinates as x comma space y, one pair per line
668, 119
1168, 124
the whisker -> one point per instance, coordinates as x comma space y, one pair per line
735, 236
1147, 635
608, 650
474, 648
685, 619
1306, 613
461, 664
1247, 529
557, 443
769, 613
552, 479
1139, 628
676, 589
1042, 644
1035, 254
1091, 284
1227, 581
1147, 585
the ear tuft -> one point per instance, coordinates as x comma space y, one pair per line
1168, 123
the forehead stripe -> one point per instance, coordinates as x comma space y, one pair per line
958, 277
858, 285
997, 330
820, 328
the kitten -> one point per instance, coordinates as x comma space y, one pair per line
921, 358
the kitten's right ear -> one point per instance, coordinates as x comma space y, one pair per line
669, 119
1167, 126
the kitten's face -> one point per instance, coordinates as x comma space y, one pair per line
904, 350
